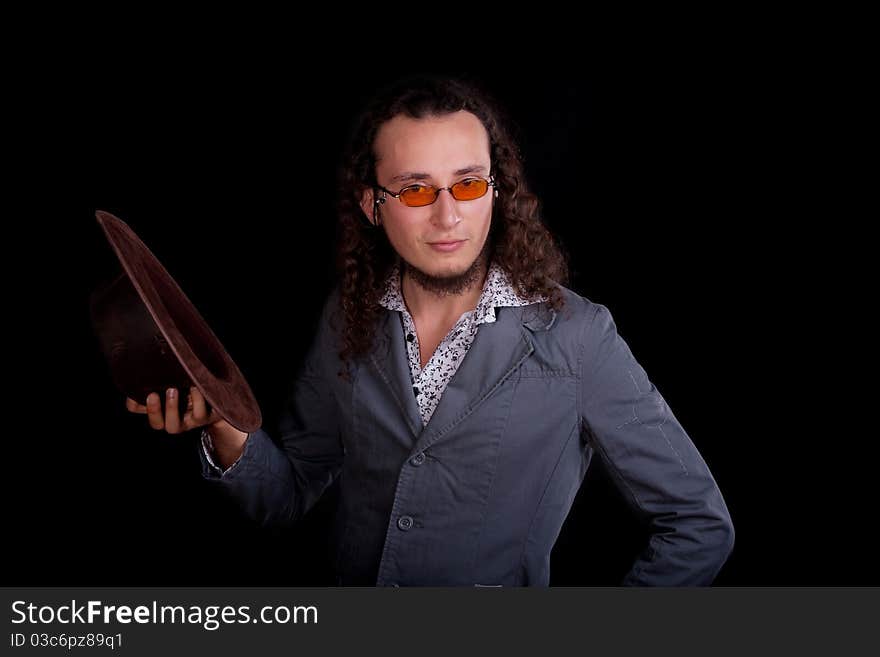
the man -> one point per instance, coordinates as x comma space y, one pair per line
455, 385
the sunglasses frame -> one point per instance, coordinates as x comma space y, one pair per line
490, 181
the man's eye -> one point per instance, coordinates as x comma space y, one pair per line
418, 190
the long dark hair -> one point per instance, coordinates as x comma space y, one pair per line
519, 242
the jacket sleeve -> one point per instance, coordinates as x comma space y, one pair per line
653, 463
276, 483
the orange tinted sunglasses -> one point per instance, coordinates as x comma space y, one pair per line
419, 194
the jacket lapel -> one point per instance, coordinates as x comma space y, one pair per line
390, 364
497, 350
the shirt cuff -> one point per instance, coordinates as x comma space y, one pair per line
208, 449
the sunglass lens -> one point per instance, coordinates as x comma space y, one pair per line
418, 195
467, 190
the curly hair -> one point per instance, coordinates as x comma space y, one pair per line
519, 242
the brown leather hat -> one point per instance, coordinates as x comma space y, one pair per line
154, 338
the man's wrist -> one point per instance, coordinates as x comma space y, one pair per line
224, 443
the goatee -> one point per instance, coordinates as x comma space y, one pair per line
449, 285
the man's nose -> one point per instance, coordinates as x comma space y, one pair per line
446, 209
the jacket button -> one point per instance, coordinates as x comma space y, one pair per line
405, 523
418, 459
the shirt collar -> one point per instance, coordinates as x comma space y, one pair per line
497, 292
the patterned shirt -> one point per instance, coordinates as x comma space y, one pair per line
430, 382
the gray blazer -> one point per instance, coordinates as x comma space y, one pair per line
479, 495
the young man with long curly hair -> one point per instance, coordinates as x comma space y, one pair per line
456, 386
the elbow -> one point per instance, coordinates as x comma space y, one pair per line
716, 547
717, 539
726, 540
728, 537
721, 535
721, 544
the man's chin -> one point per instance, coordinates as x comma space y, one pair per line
447, 281
442, 274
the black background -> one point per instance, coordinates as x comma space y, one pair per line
665, 179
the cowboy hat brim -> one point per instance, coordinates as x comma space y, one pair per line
181, 328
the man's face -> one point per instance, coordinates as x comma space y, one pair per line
439, 151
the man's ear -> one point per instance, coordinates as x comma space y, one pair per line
367, 197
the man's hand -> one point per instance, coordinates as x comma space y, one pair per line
228, 442
196, 411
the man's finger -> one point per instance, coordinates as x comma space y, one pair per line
172, 418
154, 411
199, 411
134, 407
